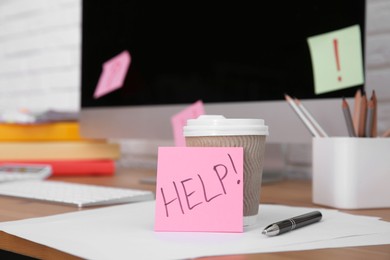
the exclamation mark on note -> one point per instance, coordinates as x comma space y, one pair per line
234, 167
336, 52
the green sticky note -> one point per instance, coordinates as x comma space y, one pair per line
337, 59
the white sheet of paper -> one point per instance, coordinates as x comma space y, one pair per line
124, 231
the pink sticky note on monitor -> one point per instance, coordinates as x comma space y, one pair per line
113, 74
179, 120
199, 189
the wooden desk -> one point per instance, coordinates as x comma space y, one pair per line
295, 193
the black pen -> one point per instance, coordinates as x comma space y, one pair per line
292, 223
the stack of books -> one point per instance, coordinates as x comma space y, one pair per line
58, 144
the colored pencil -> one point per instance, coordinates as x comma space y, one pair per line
348, 118
374, 132
362, 116
369, 119
356, 110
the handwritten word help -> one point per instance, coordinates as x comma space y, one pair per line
199, 189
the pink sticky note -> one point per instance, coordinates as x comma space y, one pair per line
199, 189
113, 74
179, 120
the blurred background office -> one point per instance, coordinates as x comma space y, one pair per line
40, 44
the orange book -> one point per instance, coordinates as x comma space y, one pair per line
55, 131
74, 167
59, 150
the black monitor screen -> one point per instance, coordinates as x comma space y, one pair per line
215, 51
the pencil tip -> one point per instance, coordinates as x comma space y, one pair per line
358, 93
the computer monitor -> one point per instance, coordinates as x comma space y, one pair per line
239, 58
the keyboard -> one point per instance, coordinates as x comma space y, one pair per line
79, 195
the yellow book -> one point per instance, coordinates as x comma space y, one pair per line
56, 131
59, 150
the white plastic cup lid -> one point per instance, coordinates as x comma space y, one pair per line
217, 125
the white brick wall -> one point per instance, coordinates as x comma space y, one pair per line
40, 54
378, 57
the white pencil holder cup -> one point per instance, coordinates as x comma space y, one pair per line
351, 173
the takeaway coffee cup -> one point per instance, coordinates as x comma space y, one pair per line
218, 131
